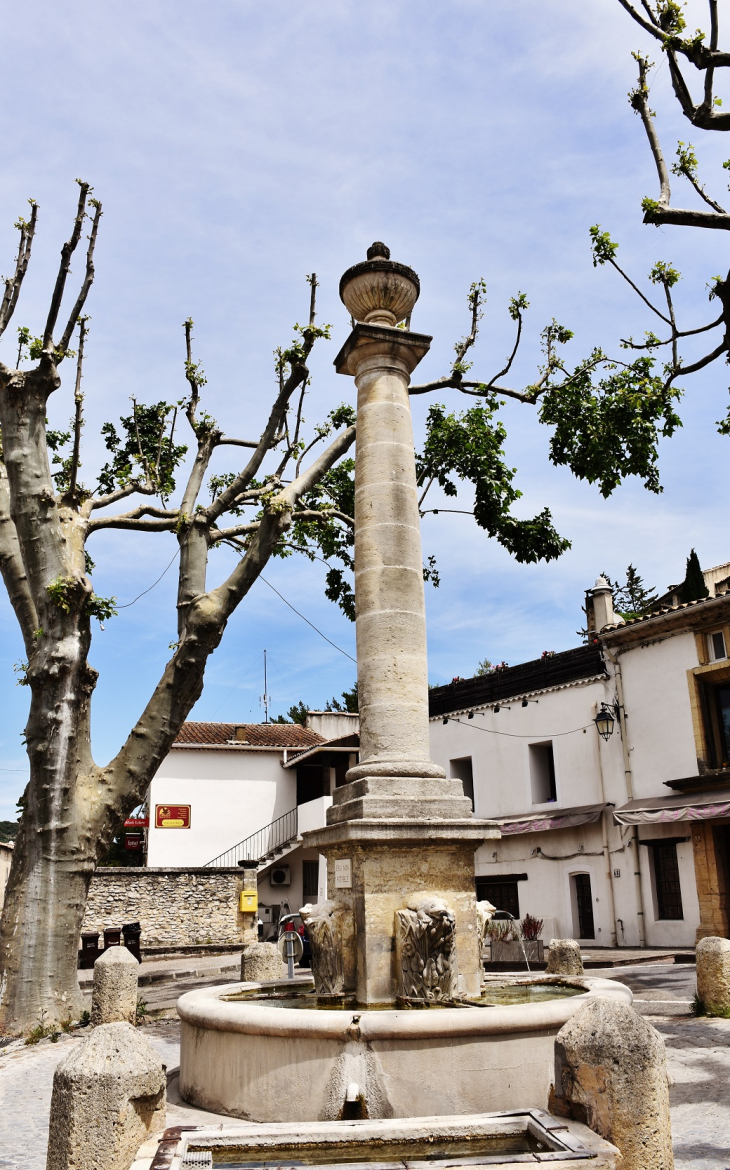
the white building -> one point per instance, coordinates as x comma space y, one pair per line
580, 816
231, 792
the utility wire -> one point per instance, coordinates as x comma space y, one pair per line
162, 574
512, 734
304, 619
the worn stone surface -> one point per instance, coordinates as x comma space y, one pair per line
114, 994
261, 962
331, 932
425, 950
108, 1096
611, 1074
175, 907
713, 972
564, 957
388, 872
485, 913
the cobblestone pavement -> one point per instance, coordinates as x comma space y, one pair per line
698, 1059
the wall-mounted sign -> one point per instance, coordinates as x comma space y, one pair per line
172, 816
137, 823
343, 873
133, 842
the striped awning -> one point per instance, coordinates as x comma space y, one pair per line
665, 810
541, 822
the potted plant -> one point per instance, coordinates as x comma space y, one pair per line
515, 942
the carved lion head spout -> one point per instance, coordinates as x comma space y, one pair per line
425, 934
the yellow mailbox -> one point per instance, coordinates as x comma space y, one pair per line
248, 902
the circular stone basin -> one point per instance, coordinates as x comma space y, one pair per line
244, 1056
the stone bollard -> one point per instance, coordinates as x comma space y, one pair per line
260, 962
611, 1074
108, 1097
114, 995
713, 974
564, 957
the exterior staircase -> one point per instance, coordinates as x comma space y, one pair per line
265, 846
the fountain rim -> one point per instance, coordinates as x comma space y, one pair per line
205, 1008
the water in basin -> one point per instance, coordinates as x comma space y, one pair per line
493, 995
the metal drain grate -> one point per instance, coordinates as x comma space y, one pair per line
198, 1159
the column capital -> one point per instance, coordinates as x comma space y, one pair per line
381, 341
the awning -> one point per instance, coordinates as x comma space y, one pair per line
564, 818
662, 810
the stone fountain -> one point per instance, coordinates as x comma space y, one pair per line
401, 928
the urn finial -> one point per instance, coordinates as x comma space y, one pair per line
379, 291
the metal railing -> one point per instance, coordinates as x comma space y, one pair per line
262, 845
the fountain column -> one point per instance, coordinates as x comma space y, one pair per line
398, 829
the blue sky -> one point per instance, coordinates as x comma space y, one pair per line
238, 146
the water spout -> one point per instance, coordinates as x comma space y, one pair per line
353, 1091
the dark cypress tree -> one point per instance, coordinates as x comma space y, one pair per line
693, 587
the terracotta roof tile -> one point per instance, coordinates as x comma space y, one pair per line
273, 735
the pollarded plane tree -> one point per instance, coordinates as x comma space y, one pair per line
73, 806
293, 494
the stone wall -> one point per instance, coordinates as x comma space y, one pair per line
175, 907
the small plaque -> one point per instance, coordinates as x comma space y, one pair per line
343, 873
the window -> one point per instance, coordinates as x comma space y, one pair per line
501, 890
542, 773
716, 646
462, 770
582, 902
666, 881
310, 880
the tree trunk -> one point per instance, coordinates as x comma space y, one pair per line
44, 908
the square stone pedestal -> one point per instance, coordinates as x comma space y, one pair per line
377, 866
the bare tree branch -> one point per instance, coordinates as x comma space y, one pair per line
164, 519
79, 406
67, 252
87, 283
14, 282
695, 51
119, 494
225, 441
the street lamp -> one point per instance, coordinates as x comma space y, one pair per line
604, 721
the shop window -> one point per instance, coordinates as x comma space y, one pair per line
666, 881
310, 880
716, 646
462, 770
542, 773
582, 903
502, 891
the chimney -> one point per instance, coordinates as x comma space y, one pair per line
603, 612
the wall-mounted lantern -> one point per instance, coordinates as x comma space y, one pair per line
604, 721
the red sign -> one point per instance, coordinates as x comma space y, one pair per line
132, 842
137, 823
172, 816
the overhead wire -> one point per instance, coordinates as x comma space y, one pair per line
305, 619
514, 734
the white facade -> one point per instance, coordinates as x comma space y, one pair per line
232, 792
506, 753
